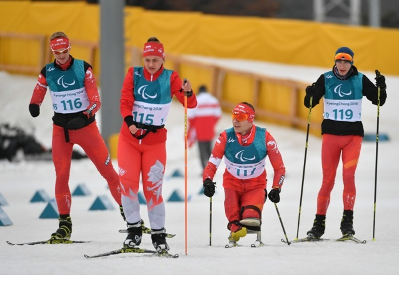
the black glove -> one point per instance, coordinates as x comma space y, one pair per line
78, 122
209, 187
310, 93
311, 90
274, 195
380, 80
34, 110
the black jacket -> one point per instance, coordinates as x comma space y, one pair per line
370, 91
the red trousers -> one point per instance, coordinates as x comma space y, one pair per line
237, 204
135, 159
91, 141
333, 147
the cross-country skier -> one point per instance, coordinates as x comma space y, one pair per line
144, 104
343, 89
75, 100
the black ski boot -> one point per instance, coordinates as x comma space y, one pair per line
64, 230
347, 223
134, 235
158, 237
319, 225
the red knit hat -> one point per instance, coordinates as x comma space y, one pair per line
153, 48
243, 108
60, 43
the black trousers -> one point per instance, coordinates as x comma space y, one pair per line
205, 151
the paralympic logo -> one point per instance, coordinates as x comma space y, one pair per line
60, 81
338, 91
239, 155
144, 94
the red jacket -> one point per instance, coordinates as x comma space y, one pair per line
232, 182
203, 118
127, 101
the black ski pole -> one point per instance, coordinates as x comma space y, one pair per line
210, 221
304, 165
377, 73
281, 222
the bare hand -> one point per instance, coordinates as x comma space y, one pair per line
186, 85
133, 129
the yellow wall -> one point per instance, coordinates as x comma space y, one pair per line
276, 40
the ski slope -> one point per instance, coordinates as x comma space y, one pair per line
20, 180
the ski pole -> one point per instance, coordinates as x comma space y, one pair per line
377, 73
304, 164
185, 167
210, 221
278, 213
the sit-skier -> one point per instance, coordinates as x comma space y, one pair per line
245, 148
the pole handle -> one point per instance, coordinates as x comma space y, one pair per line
184, 83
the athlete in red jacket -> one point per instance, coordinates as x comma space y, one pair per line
145, 102
245, 147
202, 123
75, 100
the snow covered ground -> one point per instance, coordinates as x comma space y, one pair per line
20, 180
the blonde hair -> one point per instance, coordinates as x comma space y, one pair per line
57, 35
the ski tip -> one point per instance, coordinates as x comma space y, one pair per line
171, 255
93, 256
167, 254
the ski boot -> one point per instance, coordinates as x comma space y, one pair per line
236, 231
319, 225
347, 223
158, 237
236, 235
134, 235
64, 230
